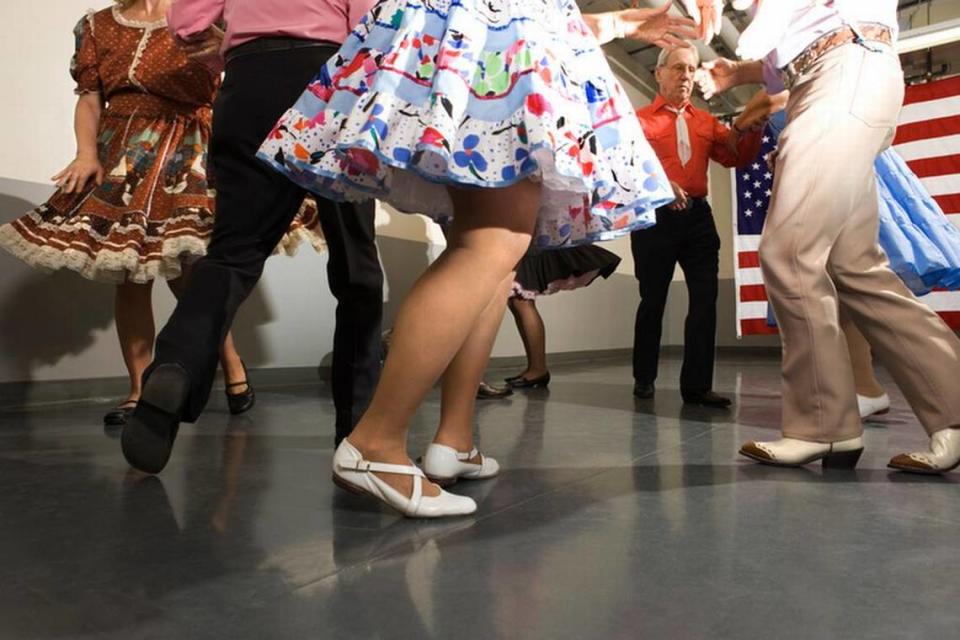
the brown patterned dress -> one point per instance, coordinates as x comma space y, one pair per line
154, 210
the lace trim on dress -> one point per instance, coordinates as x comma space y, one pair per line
136, 24
148, 28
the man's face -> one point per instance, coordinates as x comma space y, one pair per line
676, 78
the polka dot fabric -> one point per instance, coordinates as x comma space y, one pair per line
154, 210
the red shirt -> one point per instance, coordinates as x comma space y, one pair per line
708, 140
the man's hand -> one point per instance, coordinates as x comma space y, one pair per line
760, 108
716, 76
205, 46
681, 202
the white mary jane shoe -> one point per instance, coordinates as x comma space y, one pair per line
870, 407
353, 473
445, 465
790, 452
944, 455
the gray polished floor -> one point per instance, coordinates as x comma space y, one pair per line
613, 518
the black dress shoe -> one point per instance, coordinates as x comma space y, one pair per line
513, 379
241, 402
520, 382
643, 391
705, 398
117, 417
489, 392
148, 436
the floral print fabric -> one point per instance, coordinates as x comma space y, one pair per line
426, 93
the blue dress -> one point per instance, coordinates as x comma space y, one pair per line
922, 244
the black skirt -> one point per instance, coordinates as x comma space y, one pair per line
541, 273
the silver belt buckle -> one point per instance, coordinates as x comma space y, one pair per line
788, 76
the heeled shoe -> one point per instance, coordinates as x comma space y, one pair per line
520, 382
790, 452
118, 416
870, 407
943, 456
445, 465
240, 402
352, 473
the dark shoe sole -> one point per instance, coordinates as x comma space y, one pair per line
920, 471
147, 439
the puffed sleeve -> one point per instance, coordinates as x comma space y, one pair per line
83, 66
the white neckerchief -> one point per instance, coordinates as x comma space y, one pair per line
684, 150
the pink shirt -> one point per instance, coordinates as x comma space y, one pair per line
246, 20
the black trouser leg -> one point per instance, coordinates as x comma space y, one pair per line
654, 259
255, 205
699, 258
356, 281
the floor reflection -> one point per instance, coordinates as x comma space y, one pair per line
612, 518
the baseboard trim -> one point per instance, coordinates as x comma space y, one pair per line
46, 393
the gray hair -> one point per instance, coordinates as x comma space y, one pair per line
664, 56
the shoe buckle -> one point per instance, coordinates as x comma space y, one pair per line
362, 466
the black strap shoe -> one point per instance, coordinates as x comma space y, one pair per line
117, 417
241, 402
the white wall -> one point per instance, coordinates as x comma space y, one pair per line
61, 327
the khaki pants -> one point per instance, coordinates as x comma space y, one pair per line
820, 256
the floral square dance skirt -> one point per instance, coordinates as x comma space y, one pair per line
429, 93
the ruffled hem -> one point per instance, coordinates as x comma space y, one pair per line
107, 265
566, 284
127, 265
409, 189
290, 243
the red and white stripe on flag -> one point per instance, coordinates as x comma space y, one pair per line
928, 139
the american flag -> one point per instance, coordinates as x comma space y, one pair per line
928, 138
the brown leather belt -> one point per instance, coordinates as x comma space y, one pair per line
830, 41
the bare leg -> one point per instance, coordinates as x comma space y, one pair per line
133, 308
534, 336
229, 358
491, 232
460, 380
861, 358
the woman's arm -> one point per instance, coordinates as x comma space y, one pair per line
86, 164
